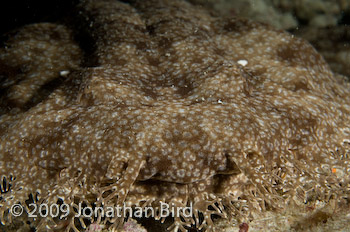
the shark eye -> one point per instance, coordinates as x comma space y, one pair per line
228, 166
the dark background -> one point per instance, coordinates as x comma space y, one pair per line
16, 13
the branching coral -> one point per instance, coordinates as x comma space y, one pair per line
169, 105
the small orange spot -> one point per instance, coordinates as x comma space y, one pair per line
334, 170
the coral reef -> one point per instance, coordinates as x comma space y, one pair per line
162, 102
265, 11
334, 45
283, 14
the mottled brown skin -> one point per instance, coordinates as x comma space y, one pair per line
171, 105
